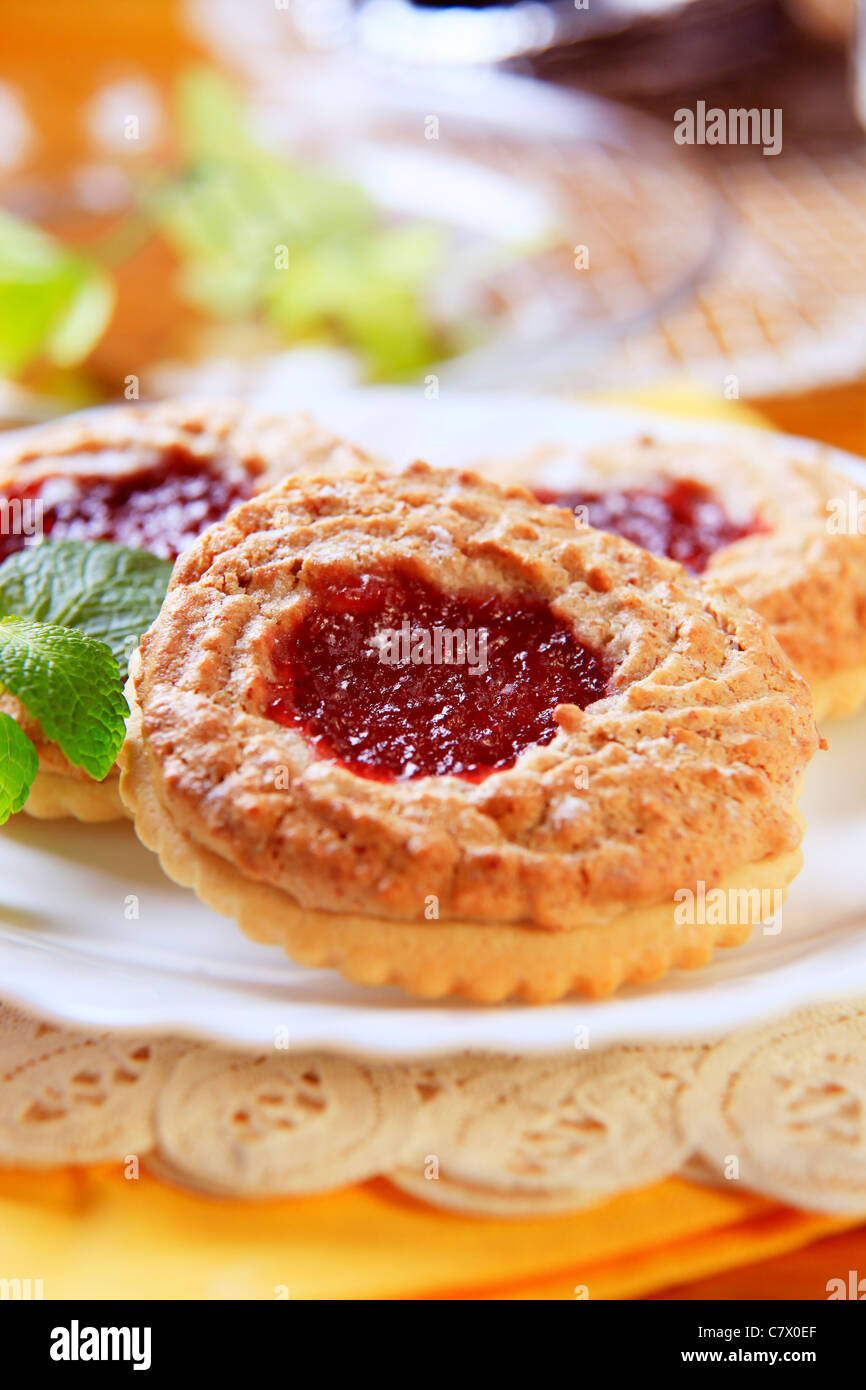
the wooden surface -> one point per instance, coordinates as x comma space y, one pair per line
801, 1274
836, 415
55, 55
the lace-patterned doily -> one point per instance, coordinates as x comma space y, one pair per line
784, 1109
780, 1110
76, 1097
263, 1126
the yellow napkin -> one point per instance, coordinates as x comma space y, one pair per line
684, 398
92, 1233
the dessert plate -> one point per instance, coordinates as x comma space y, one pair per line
92, 933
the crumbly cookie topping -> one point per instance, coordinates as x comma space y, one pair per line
688, 769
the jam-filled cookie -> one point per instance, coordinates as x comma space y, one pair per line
789, 533
421, 728
150, 477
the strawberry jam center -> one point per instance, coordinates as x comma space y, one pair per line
397, 679
678, 517
161, 508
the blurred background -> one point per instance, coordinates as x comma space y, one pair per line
273, 197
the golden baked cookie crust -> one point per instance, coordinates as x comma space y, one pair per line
689, 768
53, 796
804, 575
118, 439
487, 963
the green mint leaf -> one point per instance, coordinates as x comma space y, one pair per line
105, 591
19, 763
54, 303
70, 683
294, 245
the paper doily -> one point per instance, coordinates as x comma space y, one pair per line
781, 1110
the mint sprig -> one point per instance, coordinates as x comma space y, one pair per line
71, 614
106, 591
70, 683
19, 764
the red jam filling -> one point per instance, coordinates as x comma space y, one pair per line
678, 518
397, 679
161, 508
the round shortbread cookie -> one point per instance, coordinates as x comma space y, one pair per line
554, 871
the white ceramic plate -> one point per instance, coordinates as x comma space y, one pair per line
70, 948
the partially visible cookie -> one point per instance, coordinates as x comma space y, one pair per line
788, 533
150, 477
